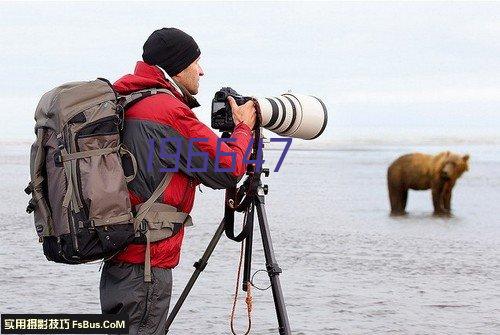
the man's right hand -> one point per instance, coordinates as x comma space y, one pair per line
245, 113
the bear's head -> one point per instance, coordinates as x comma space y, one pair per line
453, 165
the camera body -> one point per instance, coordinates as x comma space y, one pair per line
222, 116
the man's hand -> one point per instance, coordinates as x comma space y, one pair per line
245, 113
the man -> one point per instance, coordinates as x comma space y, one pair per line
171, 61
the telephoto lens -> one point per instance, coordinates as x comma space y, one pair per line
294, 115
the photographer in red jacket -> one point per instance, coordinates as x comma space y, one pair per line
170, 62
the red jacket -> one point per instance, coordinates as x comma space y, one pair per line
160, 116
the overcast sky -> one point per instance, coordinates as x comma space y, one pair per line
398, 66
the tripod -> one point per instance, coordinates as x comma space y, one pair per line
252, 193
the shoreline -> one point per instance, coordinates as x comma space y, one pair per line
354, 144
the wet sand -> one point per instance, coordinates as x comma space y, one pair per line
348, 267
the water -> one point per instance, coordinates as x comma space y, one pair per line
348, 268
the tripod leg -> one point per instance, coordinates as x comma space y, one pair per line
248, 246
272, 267
200, 266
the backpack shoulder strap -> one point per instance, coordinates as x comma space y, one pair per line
126, 101
141, 214
146, 206
130, 99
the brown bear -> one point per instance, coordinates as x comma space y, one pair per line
422, 172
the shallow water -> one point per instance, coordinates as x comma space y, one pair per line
348, 267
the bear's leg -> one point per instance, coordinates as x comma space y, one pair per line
437, 200
447, 201
404, 196
397, 197
447, 196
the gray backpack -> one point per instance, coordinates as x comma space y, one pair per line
80, 200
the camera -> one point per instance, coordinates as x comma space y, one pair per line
222, 117
290, 114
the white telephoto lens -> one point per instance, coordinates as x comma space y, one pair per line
294, 115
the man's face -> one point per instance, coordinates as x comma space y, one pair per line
190, 77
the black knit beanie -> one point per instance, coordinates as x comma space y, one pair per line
171, 49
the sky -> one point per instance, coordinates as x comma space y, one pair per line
382, 69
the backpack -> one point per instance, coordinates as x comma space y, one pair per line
82, 210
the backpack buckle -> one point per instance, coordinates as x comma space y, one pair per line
121, 115
29, 189
58, 158
143, 226
31, 206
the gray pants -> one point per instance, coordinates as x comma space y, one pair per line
123, 290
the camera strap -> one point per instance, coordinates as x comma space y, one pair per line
231, 195
241, 199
